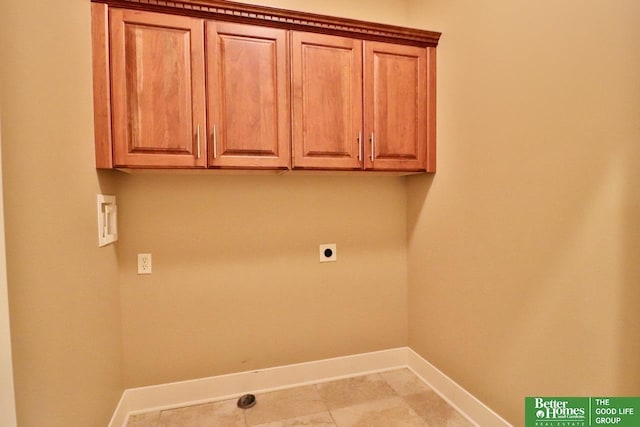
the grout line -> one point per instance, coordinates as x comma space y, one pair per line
244, 417
326, 405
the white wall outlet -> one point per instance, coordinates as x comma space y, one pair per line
144, 263
328, 252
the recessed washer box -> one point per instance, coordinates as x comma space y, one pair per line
107, 220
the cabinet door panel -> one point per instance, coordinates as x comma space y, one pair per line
395, 106
248, 96
158, 89
326, 101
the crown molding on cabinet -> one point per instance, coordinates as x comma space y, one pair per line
282, 18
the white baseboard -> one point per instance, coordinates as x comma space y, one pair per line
172, 395
476, 411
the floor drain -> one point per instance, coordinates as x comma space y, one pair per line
246, 401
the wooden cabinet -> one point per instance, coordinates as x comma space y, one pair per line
158, 93
336, 126
224, 85
157, 84
395, 105
327, 101
248, 96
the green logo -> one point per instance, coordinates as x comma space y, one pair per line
582, 411
557, 411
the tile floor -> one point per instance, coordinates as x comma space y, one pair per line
388, 399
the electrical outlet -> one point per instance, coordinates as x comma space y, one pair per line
328, 252
144, 263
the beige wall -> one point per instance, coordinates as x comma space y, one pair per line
63, 293
237, 282
524, 248
392, 12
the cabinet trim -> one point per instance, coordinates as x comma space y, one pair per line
101, 86
282, 18
431, 110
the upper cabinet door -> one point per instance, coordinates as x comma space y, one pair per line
248, 96
395, 107
326, 101
157, 88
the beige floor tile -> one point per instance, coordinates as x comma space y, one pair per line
404, 382
223, 413
189, 416
285, 404
147, 419
353, 391
435, 411
227, 414
316, 420
390, 412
